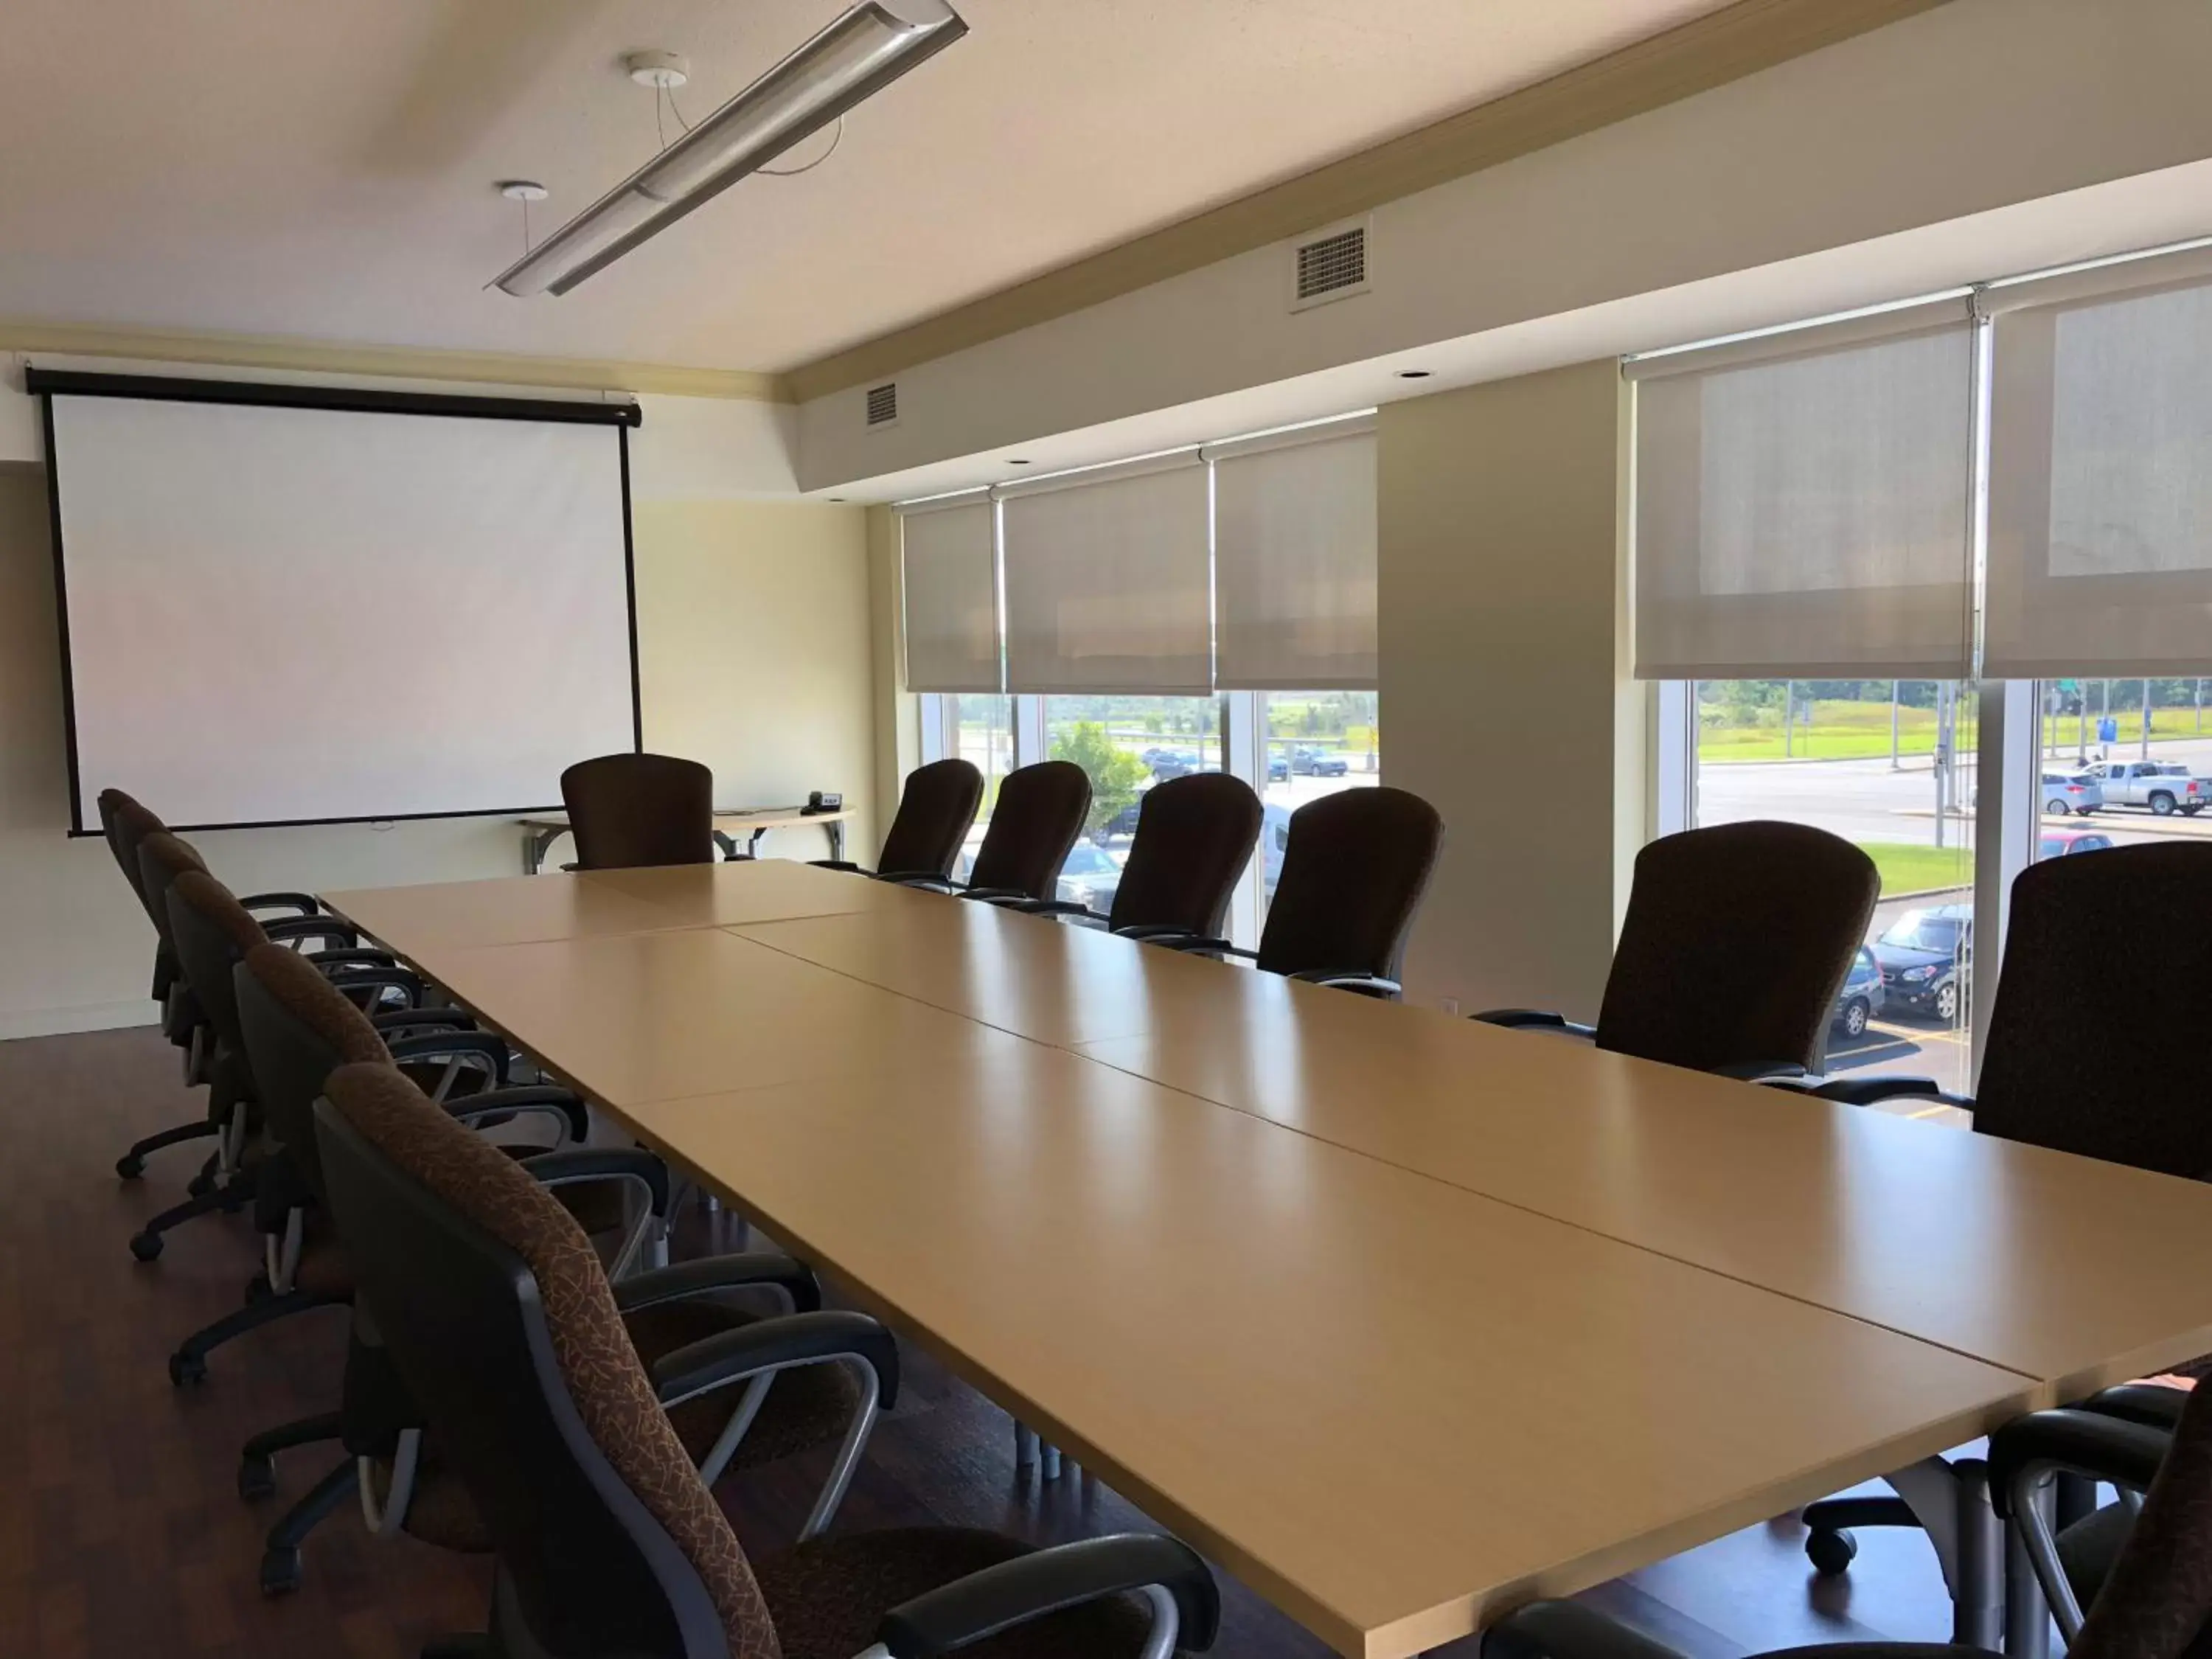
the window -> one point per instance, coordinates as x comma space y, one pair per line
1126, 746
1316, 743
980, 729
1890, 767
2087, 729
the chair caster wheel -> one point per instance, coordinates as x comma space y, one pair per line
1830, 1553
146, 1246
186, 1369
199, 1185
130, 1166
279, 1572
257, 1478
257, 1289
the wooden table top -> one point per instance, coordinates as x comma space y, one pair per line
731, 818
508, 910
755, 890
1387, 1404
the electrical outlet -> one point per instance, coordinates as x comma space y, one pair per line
1451, 1006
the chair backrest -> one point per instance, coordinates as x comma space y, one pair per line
212, 931
126, 824
1737, 942
499, 1318
628, 810
1194, 836
2099, 1040
162, 858
934, 817
1354, 868
2156, 1601
1039, 811
297, 1029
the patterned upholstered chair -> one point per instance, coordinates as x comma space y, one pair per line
934, 815
1041, 810
1354, 869
1737, 940
2153, 1601
1194, 836
497, 1313
299, 1028
630, 811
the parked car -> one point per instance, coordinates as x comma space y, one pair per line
1278, 768
2071, 792
1309, 762
1089, 877
1861, 997
2062, 843
1926, 956
2162, 786
1122, 824
1170, 763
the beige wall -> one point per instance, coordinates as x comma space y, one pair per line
754, 624
1504, 684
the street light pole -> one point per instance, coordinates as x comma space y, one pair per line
1942, 757
1893, 725
2146, 729
1789, 716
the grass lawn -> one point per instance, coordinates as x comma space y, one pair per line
1909, 868
1840, 731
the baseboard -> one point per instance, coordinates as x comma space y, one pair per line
83, 1017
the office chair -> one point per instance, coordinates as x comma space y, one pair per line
934, 816
125, 825
2096, 1038
2151, 1601
163, 861
1194, 836
1039, 811
1354, 869
1737, 940
496, 1314
630, 811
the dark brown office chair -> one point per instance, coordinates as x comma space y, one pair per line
2092, 1027
1039, 811
299, 1030
2154, 1599
497, 1316
1354, 869
1194, 836
630, 811
1737, 940
934, 816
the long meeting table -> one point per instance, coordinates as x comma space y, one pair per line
1401, 1319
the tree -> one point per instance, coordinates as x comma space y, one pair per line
1114, 774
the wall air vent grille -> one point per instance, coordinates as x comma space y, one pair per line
1332, 265
883, 403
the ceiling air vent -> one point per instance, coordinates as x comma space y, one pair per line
1331, 267
883, 403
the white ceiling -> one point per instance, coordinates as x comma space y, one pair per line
324, 171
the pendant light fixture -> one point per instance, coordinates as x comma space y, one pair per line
854, 58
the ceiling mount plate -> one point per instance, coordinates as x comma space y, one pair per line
667, 71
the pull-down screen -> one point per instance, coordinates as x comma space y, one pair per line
281, 615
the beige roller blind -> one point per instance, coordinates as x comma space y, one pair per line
950, 576
1803, 503
1108, 581
2100, 473
1294, 560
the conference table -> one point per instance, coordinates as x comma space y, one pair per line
542, 829
1401, 1319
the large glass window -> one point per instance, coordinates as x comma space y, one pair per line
2123, 761
979, 728
1315, 744
1890, 767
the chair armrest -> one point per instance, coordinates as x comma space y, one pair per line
2079, 1442
456, 1049
968, 1610
2151, 1404
1197, 947
1568, 1629
1534, 1019
686, 1279
1367, 985
365, 984
1150, 933
908, 877
1006, 896
1759, 1070
402, 1020
281, 929
799, 1338
1872, 1091
846, 864
529, 1099
303, 905
571, 1164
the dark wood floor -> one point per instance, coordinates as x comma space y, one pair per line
121, 1532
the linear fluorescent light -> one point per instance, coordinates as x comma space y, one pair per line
854, 58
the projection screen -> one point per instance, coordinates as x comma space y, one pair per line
378, 607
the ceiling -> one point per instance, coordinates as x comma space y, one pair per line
325, 173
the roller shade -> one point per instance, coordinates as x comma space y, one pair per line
2100, 473
1294, 561
1803, 503
1107, 584
950, 581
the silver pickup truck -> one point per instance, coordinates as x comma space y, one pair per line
2162, 786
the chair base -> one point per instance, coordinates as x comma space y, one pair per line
188, 1364
232, 1195
281, 1566
1829, 1545
257, 1458
133, 1163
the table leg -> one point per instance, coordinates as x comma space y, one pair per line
536, 843
729, 848
836, 828
1025, 1446
1951, 1501
752, 844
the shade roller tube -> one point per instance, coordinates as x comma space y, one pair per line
1294, 565
1108, 583
949, 577
1803, 503
2100, 473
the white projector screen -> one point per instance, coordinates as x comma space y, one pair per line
289, 615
